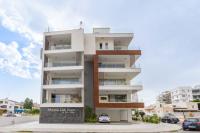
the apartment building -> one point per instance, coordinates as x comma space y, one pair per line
88, 69
196, 92
181, 96
164, 97
9, 105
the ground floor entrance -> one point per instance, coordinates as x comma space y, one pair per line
116, 115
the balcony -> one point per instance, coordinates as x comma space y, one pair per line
112, 82
104, 99
62, 98
118, 102
120, 47
120, 87
62, 65
63, 83
116, 98
118, 70
60, 46
111, 65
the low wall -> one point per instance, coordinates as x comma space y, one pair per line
61, 115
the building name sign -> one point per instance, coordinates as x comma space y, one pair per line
61, 115
65, 110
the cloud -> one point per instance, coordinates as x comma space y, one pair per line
30, 19
15, 22
12, 61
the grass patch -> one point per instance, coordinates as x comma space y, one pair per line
24, 131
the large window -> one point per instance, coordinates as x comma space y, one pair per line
117, 98
67, 98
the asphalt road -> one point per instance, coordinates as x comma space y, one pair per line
5, 121
188, 131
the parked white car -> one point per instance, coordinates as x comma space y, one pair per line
104, 118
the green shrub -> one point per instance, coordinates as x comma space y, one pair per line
135, 118
27, 111
138, 115
2, 111
32, 111
90, 116
35, 111
152, 119
197, 100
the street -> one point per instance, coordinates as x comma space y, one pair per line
32, 121
5, 121
188, 131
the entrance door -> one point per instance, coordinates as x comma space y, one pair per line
123, 115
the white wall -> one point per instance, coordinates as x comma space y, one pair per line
104, 41
89, 44
77, 40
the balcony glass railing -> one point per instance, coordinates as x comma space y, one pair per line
60, 64
120, 48
72, 99
113, 82
112, 65
118, 101
60, 46
65, 81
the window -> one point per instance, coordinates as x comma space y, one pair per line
100, 45
106, 45
103, 98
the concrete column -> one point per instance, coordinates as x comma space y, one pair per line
129, 115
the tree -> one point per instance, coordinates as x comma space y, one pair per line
142, 114
28, 103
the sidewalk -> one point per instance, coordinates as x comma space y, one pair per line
140, 127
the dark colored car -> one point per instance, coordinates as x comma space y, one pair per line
191, 124
170, 119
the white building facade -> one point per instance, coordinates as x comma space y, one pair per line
196, 92
88, 69
8, 105
181, 96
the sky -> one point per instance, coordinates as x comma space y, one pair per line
166, 31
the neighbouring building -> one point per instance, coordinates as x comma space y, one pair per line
36, 106
8, 105
196, 92
88, 69
181, 96
165, 97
